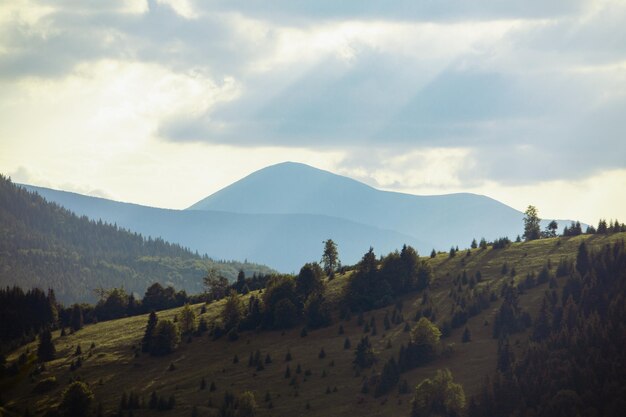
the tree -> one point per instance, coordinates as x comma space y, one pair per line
364, 355
474, 245
216, 285
45, 349
309, 280
76, 400
582, 259
423, 345
330, 257
165, 339
281, 301
551, 228
114, 306
531, 224
146, 342
366, 289
246, 405
426, 333
316, 311
77, 318
232, 311
438, 396
187, 320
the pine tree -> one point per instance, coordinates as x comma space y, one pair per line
330, 258
45, 349
146, 342
532, 230
77, 318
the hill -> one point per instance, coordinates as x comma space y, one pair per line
44, 245
111, 367
282, 241
437, 221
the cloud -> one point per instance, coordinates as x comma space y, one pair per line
290, 11
512, 92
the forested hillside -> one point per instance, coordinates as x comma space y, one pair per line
44, 245
509, 328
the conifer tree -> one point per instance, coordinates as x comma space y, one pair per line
45, 349
146, 342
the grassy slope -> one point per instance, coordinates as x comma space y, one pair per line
112, 368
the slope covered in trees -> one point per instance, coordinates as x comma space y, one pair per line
425, 350
44, 245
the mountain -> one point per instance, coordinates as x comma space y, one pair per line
44, 245
438, 221
282, 241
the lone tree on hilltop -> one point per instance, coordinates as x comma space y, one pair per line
532, 230
330, 258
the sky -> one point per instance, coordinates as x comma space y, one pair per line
164, 102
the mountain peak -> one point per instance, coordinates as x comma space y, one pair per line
286, 187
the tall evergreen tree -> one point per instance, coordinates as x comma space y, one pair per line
77, 318
532, 230
330, 257
45, 349
146, 342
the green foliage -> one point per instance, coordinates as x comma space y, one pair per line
45, 349
309, 281
532, 229
423, 346
426, 333
401, 272
281, 302
146, 342
576, 346
388, 378
42, 239
316, 311
76, 400
363, 354
25, 313
330, 258
582, 259
439, 396
187, 320
165, 339
232, 311
114, 306
77, 318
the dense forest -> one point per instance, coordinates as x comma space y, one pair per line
575, 364
44, 245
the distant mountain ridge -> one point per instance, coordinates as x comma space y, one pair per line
44, 245
279, 216
438, 221
281, 241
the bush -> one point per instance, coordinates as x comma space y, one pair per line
76, 400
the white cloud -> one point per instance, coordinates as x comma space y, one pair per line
425, 97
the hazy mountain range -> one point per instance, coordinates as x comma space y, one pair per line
280, 215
